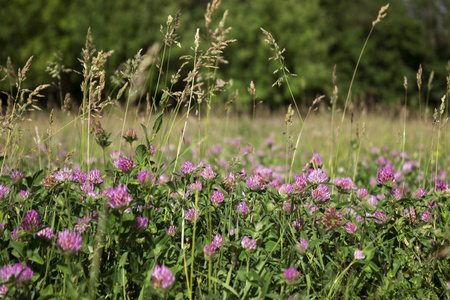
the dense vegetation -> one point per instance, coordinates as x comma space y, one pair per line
179, 199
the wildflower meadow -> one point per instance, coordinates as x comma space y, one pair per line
172, 195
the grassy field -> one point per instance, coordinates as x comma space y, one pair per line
194, 201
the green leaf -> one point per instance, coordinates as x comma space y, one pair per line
123, 259
64, 268
37, 258
141, 153
147, 142
157, 126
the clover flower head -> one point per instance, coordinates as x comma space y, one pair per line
217, 197
187, 168
302, 246
69, 241
172, 230
291, 275
285, 190
208, 173
82, 224
317, 176
426, 216
16, 176
209, 251
300, 183
418, 193
321, 193
23, 194
359, 254
95, 176
385, 176
4, 191
196, 186
362, 193
118, 197
162, 277
242, 208
124, 164
146, 178
248, 244
141, 223
256, 182
19, 271
31, 222
229, 182
344, 183
46, 234
191, 214
350, 227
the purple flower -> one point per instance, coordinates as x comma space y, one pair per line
16, 176
82, 224
411, 215
287, 206
242, 174
69, 241
146, 178
300, 183
14, 235
217, 197
248, 244
266, 173
350, 227
209, 251
344, 183
242, 208
419, 193
232, 231
172, 230
4, 191
297, 224
2, 227
321, 193
373, 201
229, 182
442, 185
162, 277
46, 233
3, 290
208, 173
19, 271
191, 214
23, 194
286, 190
426, 216
218, 240
63, 175
359, 254
79, 176
290, 275
124, 164
385, 176
187, 168
362, 193
317, 176
31, 222
95, 177
380, 216
256, 182
116, 154
332, 219
141, 223
196, 186
302, 245
397, 193
118, 197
